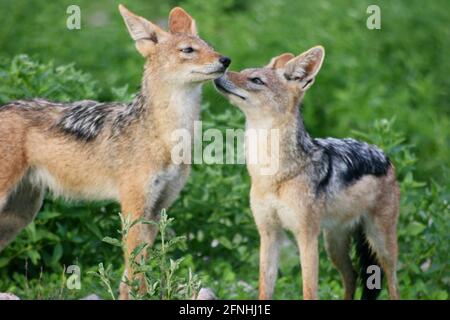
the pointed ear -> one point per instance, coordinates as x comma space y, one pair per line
305, 67
181, 22
145, 33
280, 61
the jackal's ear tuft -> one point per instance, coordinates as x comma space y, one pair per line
181, 22
305, 67
145, 33
280, 61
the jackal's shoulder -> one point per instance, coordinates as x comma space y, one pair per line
85, 119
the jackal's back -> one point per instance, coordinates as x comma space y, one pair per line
345, 161
83, 120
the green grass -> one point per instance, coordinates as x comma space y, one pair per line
400, 71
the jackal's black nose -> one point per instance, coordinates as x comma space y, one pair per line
225, 61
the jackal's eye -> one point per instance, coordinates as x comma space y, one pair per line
187, 50
257, 80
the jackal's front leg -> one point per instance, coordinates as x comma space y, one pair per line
270, 233
134, 207
268, 267
308, 243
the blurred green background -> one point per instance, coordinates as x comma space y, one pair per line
388, 86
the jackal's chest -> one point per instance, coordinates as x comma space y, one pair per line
288, 204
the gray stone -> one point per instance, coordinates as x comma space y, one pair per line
92, 296
206, 294
8, 296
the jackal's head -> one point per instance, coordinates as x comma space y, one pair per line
179, 55
275, 89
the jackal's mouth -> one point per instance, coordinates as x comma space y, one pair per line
220, 87
215, 72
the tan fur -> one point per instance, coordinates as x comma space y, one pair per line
285, 200
134, 168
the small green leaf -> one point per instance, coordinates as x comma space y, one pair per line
112, 241
34, 256
57, 253
47, 215
4, 261
225, 242
94, 229
415, 228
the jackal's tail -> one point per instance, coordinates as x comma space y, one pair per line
366, 258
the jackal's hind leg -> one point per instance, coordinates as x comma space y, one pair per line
382, 237
18, 210
337, 244
381, 232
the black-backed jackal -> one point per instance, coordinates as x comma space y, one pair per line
339, 185
91, 150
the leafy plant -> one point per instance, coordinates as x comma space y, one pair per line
161, 273
24, 78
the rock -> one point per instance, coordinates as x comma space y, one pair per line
206, 294
426, 265
92, 296
8, 296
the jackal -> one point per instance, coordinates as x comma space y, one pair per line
343, 186
92, 150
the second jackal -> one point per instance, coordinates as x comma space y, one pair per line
343, 186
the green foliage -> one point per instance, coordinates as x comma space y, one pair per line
24, 78
164, 277
400, 71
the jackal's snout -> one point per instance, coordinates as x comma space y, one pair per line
228, 86
225, 61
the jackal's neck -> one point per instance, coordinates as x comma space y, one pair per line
301, 137
294, 145
170, 107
